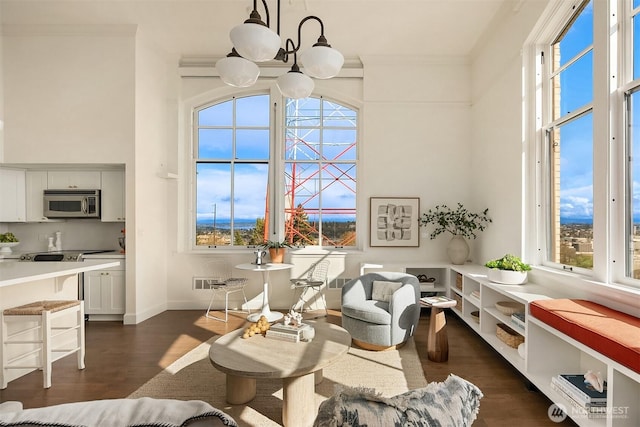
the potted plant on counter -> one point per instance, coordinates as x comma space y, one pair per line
458, 222
508, 270
276, 249
7, 241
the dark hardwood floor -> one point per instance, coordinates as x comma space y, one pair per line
120, 359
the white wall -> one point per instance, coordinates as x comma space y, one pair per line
153, 124
68, 94
497, 144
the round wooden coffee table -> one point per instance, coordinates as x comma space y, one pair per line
299, 365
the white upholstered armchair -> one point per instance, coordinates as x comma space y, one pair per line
381, 310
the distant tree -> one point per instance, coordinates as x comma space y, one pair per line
238, 239
257, 237
302, 230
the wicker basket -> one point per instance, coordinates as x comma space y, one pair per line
475, 315
508, 335
459, 281
458, 299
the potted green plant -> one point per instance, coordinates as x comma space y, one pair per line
460, 223
7, 241
276, 249
508, 270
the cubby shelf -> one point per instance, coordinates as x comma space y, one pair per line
547, 352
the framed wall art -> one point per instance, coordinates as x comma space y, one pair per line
394, 221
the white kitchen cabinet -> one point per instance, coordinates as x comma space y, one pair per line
36, 183
104, 292
12, 195
113, 196
82, 180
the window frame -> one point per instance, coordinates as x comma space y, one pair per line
611, 41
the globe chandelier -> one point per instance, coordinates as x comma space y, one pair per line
254, 41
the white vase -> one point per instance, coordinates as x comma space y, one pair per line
458, 250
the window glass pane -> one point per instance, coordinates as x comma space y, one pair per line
576, 38
215, 143
216, 115
302, 202
572, 193
339, 190
573, 87
303, 112
250, 203
342, 145
302, 144
336, 115
213, 207
636, 3
252, 144
633, 190
252, 111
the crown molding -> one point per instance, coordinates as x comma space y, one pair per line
205, 66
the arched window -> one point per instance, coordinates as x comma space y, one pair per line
241, 198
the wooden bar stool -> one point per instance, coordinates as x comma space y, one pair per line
43, 339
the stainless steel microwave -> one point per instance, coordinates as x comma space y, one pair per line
72, 203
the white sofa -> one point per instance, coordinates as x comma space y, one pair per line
117, 413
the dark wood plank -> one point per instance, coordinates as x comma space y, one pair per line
121, 358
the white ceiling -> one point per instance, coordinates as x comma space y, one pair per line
355, 27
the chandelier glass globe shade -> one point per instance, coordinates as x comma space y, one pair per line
255, 42
237, 72
295, 85
322, 62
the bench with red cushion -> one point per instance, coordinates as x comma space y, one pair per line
607, 331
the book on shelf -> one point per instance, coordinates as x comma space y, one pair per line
435, 300
591, 410
570, 392
581, 388
517, 319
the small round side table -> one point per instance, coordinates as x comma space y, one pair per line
437, 340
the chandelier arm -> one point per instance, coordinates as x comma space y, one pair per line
297, 48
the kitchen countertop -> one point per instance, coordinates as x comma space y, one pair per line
13, 273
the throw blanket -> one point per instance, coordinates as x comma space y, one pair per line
452, 403
121, 412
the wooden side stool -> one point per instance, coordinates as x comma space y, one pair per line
43, 339
437, 340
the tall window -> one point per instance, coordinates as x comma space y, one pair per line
234, 158
569, 138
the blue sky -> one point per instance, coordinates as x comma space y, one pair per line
576, 153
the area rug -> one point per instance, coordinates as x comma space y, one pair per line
193, 377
